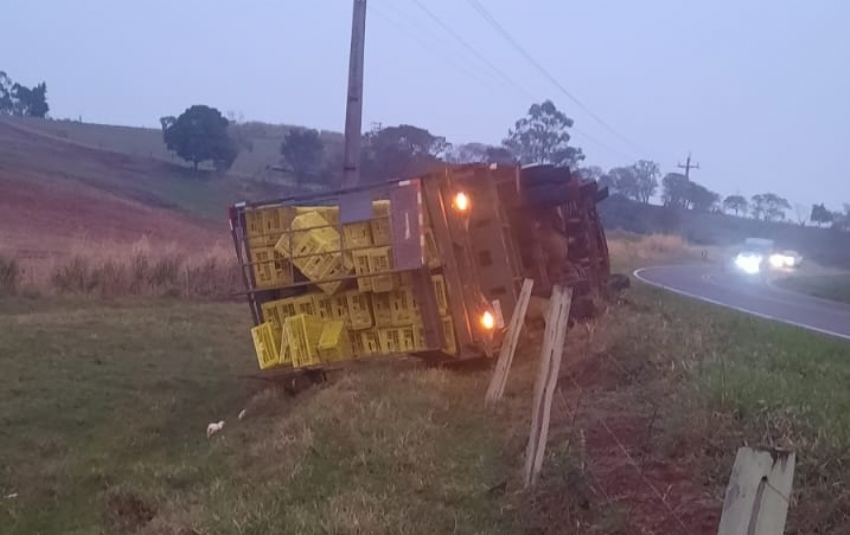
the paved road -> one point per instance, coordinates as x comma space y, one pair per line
751, 295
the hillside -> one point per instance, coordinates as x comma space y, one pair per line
265, 140
825, 246
55, 193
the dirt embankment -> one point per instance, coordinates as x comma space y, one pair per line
54, 196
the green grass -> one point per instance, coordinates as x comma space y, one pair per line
103, 411
832, 287
731, 379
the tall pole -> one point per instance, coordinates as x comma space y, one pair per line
687, 167
354, 105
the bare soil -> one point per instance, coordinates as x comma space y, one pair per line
53, 195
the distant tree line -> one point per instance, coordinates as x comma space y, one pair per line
21, 101
543, 135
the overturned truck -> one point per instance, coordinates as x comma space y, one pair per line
429, 266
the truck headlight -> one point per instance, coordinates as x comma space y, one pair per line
461, 202
488, 321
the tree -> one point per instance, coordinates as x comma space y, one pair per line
479, 153
736, 203
675, 190
801, 214
6, 102
22, 101
303, 150
200, 134
841, 220
593, 172
701, 199
625, 182
820, 215
400, 151
543, 136
167, 121
646, 175
769, 206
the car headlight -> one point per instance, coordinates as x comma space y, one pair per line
750, 264
777, 261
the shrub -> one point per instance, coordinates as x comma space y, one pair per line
10, 275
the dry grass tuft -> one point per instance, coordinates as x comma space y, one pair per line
10, 275
114, 270
633, 250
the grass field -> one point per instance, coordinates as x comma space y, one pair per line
103, 409
104, 406
832, 287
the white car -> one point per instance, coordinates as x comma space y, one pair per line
758, 254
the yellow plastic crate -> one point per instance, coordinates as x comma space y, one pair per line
323, 306
315, 251
329, 213
270, 269
381, 208
397, 339
285, 308
285, 351
404, 309
302, 333
359, 310
419, 340
381, 261
334, 343
382, 309
265, 346
380, 231
305, 304
441, 293
271, 314
370, 342
276, 220
447, 325
339, 308
254, 223
361, 267
356, 235
450, 346
356, 340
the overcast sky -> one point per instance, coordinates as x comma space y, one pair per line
758, 90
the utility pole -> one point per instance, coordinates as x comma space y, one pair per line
687, 167
354, 105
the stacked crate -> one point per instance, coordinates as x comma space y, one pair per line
336, 323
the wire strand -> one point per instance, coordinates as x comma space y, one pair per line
481, 10
426, 45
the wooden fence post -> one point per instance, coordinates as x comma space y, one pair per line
758, 493
506, 355
547, 381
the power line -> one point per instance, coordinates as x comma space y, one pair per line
428, 46
475, 4
473, 50
447, 48
506, 78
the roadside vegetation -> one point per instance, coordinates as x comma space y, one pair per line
831, 287
104, 404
